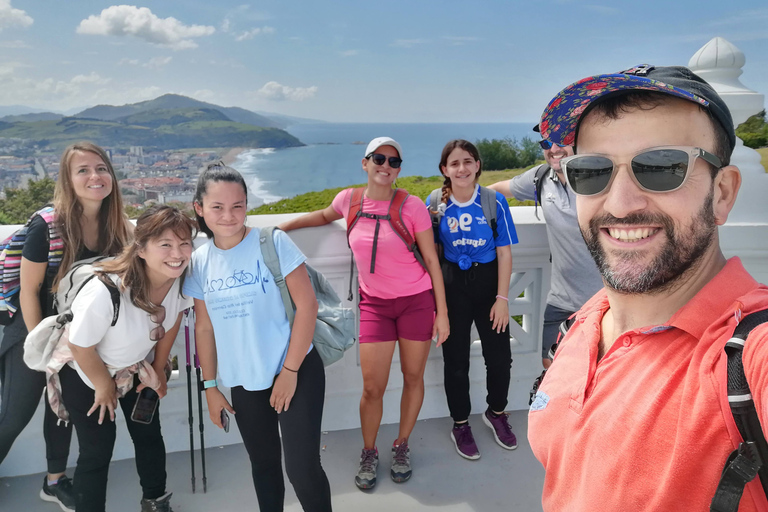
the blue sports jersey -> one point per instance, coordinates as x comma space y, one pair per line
464, 230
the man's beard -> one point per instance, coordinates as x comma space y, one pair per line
680, 253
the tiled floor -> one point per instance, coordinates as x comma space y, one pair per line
499, 480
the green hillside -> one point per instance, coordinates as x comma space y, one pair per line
192, 129
176, 101
169, 117
415, 185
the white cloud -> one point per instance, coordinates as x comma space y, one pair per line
459, 40
157, 62
408, 43
250, 34
275, 92
131, 62
14, 44
350, 53
14, 18
92, 78
140, 22
225, 25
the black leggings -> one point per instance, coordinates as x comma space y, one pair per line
97, 442
300, 428
21, 389
470, 295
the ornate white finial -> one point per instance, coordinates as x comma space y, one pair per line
717, 54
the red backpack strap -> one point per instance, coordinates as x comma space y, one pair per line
396, 218
355, 208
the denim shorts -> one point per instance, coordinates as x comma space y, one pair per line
409, 318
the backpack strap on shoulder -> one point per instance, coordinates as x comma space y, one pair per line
355, 208
541, 172
114, 295
399, 227
751, 457
271, 260
488, 203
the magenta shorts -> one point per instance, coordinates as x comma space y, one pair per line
409, 318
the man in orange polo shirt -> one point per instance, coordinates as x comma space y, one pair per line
633, 414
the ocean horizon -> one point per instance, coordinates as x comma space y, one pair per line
333, 153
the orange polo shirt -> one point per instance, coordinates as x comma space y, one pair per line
649, 427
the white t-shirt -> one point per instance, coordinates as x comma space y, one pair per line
128, 341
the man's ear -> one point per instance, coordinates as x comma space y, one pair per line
726, 188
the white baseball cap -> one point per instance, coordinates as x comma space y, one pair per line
383, 141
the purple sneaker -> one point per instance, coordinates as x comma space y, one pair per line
465, 442
502, 432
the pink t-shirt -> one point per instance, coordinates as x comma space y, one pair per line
396, 273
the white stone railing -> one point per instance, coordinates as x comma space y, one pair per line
326, 248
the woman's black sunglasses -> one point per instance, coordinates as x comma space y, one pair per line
379, 159
659, 169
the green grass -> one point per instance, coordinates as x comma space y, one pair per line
763, 157
416, 185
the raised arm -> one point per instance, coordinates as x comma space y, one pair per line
503, 187
309, 220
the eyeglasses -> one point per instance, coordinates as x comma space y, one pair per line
659, 169
379, 159
158, 332
546, 144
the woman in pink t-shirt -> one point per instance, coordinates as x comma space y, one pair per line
398, 300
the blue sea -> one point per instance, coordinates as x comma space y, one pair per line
333, 151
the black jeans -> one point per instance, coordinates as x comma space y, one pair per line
553, 317
300, 428
97, 442
470, 295
21, 389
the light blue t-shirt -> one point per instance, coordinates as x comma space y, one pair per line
245, 307
465, 230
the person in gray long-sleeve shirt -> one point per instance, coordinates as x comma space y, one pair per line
575, 277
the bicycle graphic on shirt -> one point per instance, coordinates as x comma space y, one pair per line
239, 278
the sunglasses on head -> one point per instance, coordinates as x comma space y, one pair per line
659, 169
379, 159
545, 144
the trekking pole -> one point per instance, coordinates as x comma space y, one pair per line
200, 416
191, 418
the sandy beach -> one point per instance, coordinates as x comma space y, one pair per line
231, 155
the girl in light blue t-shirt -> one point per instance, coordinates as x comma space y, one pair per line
243, 335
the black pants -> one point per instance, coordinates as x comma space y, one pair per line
470, 294
300, 428
21, 389
97, 442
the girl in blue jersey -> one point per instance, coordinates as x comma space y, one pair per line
476, 269
243, 335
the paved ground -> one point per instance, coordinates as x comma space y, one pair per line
499, 480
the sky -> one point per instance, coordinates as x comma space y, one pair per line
355, 61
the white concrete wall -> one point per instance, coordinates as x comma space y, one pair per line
327, 250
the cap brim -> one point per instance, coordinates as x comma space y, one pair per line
560, 119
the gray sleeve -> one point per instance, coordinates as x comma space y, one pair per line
521, 186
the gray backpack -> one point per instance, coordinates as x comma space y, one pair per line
487, 202
335, 325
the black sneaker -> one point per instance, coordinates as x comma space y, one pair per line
161, 504
60, 492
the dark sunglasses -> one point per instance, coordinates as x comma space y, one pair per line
659, 169
158, 332
546, 144
379, 159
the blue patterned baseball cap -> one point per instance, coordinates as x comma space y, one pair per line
560, 121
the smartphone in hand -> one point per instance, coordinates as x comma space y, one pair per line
225, 420
145, 406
